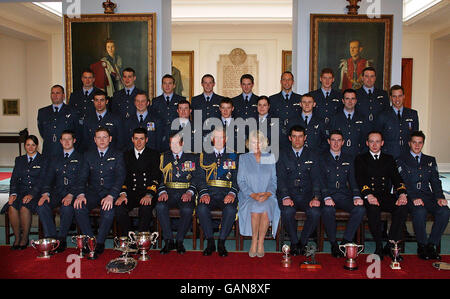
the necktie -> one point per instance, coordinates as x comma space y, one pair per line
349, 116
246, 99
56, 109
218, 155
100, 118
139, 155
101, 155
417, 159
287, 97
31, 160
141, 119
168, 100
225, 122
399, 116
207, 99
177, 158
337, 157
327, 94
86, 93
306, 119
376, 157
297, 154
66, 155
370, 93
128, 92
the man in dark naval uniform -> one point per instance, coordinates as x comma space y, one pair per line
101, 178
376, 173
421, 176
182, 179
220, 168
141, 184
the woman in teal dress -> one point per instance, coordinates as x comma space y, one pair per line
257, 180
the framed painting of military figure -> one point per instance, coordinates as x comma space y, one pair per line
347, 44
183, 72
107, 44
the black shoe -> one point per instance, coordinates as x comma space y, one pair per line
62, 246
432, 252
180, 247
99, 248
15, 247
209, 249
221, 248
168, 246
335, 252
388, 251
422, 252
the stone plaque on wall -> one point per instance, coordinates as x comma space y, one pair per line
231, 67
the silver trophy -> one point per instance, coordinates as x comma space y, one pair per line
311, 254
45, 246
144, 240
81, 241
286, 260
91, 243
395, 264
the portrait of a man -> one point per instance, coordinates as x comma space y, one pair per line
351, 68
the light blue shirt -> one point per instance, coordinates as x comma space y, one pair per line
325, 92
414, 155
59, 107
104, 152
69, 152
299, 152
247, 95
367, 89
130, 89
31, 156
88, 90
309, 116
144, 115
168, 95
284, 94
334, 155
210, 96
396, 110
103, 114
347, 113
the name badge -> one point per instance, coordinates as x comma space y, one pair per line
111, 159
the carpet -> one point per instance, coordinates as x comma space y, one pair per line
192, 265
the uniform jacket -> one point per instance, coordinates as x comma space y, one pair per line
371, 107
245, 109
110, 121
27, 178
326, 108
155, 131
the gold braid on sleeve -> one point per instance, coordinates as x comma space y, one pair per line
167, 170
210, 169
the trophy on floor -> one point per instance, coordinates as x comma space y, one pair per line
351, 251
123, 244
395, 264
92, 243
286, 260
45, 246
310, 254
81, 241
144, 240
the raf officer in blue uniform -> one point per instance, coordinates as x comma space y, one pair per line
25, 187
264, 119
220, 168
123, 100
339, 191
328, 100
146, 120
59, 188
208, 102
183, 125
82, 100
245, 104
101, 178
103, 117
315, 128
298, 178
419, 172
54, 119
182, 179
397, 123
352, 124
165, 107
285, 105
371, 100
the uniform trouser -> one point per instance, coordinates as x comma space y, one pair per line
186, 210
106, 217
289, 222
419, 220
387, 204
48, 224
124, 220
345, 203
228, 216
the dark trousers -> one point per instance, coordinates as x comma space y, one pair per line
124, 219
289, 222
45, 213
106, 217
419, 219
343, 202
387, 204
228, 216
186, 210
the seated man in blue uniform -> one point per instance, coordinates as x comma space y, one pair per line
339, 191
101, 178
182, 179
298, 178
220, 168
419, 172
60, 185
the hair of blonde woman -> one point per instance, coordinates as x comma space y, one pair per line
262, 140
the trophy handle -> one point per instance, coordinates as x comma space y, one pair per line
343, 251
153, 239
132, 236
57, 245
33, 244
362, 248
116, 240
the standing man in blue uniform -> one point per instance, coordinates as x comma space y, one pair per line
298, 177
339, 191
397, 124
54, 119
220, 169
100, 182
182, 179
60, 185
245, 104
103, 117
328, 100
419, 171
371, 100
285, 105
146, 120
352, 124
123, 100
208, 102
165, 106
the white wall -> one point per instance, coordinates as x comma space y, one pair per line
301, 33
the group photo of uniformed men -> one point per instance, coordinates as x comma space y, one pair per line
257, 159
